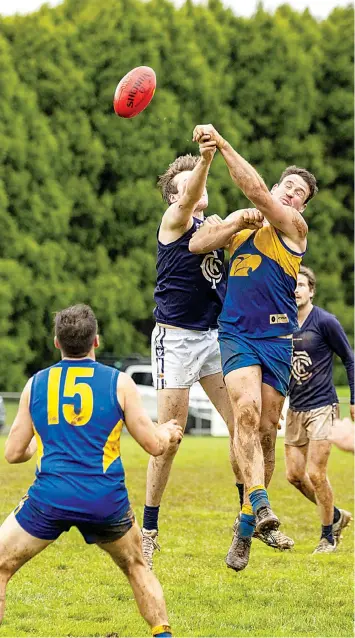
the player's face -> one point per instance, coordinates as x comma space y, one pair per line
303, 293
181, 181
292, 191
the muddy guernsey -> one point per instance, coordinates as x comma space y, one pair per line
190, 288
260, 306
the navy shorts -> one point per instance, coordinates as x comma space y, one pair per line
48, 523
272, 354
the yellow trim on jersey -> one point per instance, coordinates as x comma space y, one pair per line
40, 449
238, 240
268, 243
112, 448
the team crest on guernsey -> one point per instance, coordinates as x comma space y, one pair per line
212, 268
300, 364
243, 265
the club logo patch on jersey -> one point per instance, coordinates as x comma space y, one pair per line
301, 361
212, 268
243, 265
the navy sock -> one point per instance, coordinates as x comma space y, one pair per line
258, 498
150, 517
327, 532
240, 487
165, 634
336, 515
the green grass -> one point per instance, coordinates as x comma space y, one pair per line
74, 590
11, 409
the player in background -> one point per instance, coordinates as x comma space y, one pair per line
314, 407
256, 325
189, 295
76, 410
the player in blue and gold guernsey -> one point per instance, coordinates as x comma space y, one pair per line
73, 414
258, 319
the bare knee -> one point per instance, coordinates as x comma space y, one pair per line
248, 416
294, 477
130, 562
317, 476
5, 574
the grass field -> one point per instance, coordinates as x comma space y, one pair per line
74, 590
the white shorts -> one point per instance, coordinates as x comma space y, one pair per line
181, 357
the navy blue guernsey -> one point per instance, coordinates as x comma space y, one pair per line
311, 384
190, 288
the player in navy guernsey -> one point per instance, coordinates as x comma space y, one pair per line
313, 406
73, 414
256, 324
189, 295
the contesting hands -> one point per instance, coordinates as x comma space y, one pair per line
207, 132
207, 147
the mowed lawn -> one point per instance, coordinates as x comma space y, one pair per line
74, 590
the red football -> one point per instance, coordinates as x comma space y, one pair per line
134, 91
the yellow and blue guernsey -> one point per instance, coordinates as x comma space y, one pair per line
260, 300
77, 422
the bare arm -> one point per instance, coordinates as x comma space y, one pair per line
210, 236
288, 220
153, 439
21, 445
342, 435
178, 215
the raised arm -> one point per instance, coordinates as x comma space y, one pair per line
211, 236
152, 438
287, 219
21, 444
179, 213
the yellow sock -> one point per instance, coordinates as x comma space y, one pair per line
247, 509
161, 629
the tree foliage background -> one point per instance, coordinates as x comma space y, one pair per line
79, 206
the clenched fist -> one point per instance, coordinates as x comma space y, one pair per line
207, 148
171, 430
248, 218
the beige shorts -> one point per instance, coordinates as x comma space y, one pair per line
313, 425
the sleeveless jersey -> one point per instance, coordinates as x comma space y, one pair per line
190, 288
77, 422
260, 300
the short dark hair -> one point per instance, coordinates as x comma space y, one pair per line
75, 329
306, 176
311, 278
166, 180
